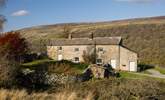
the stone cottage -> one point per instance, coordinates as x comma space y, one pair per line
108, 50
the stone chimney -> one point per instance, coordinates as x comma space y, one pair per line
69, 36
91, 36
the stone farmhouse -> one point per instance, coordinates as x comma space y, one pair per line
108, 50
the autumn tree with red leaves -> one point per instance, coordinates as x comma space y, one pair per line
13, 46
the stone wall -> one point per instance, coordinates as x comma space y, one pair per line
54, 78
110, 52
67, 52
127, 56
120, 54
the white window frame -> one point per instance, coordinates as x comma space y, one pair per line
99, 62
76, 61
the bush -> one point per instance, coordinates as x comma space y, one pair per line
120, 89
8, 72
144, 67
33, 79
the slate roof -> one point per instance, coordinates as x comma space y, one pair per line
86, 41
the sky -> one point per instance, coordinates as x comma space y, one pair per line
27, 13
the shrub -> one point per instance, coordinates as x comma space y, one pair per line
33, 79
8, 72
144, 67
120, 89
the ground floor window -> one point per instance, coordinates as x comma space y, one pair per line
99, 61
76, 60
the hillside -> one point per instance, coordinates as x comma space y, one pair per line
144, 35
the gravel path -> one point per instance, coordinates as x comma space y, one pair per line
155, 73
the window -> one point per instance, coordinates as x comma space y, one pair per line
100, 49
76, 49
59, 48
76, 59
99, 61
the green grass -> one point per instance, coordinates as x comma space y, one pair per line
37, 62
132, 75
64, 66
146, 72
161, 70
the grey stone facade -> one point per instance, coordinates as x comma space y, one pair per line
108, 50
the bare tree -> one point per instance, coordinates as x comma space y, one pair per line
2, 21
67, 30
90, 55
2, 18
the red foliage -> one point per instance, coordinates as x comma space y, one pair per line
13, 45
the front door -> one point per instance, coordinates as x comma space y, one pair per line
59, 57
113, 64
132, 66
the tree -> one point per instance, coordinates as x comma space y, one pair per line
2, 21
90, 55
67, 30
2, 18
13, 46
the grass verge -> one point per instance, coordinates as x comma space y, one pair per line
161, 70
131, 75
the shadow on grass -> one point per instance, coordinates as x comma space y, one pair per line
143, 67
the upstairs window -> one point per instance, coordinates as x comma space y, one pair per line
59, 48
76, 49
100, 49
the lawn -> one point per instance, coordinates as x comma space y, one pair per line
161, 70
37, 62
131, 75
66, 67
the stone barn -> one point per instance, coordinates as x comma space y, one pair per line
108, 50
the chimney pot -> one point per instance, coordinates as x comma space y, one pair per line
70, 36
